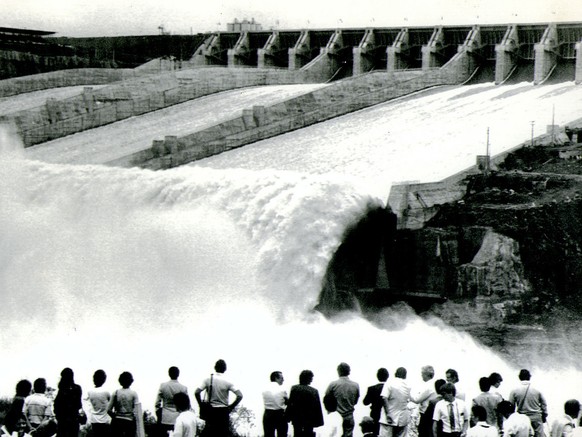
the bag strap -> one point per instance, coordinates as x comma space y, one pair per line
209, 391
523, 399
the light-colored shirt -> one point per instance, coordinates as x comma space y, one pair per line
529, 401
38, 407
186, 424
123, 402
423, 395
517, 425
489, 401
275, 397
346, 392
563, 426
98, 400
396, 394
165, 400
220, 389
483, 429
459, 411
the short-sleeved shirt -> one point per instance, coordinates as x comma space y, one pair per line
123, 403
220, 389
517, 425
38, 407
443, 413
98, 399
275, 397
186, 424
483, 429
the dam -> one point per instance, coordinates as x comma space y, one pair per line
225, 246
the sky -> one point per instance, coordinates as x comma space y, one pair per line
76, 18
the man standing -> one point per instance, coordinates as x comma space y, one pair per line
275, 400
422, 397
374, 399
530, 401
165, 408
218, 389
451, 412
346, 393
489, 401
564, 425
395, 416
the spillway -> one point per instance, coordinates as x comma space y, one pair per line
129, 269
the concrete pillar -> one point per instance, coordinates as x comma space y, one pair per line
299, 55
505, 55
264, 58
363, 56
240, 53
578, 78
394, 60
327, 63
431, 51
546, 54
202, 55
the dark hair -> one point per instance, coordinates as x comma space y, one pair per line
494, 378
572, 407
448, 389
275, 375
524, 375
343, 369
305, 377
400, 373
220, 366
453, 374
125, 379
174, 372
484, 383
438, 384
23, 387
67, 378
39, 385
99, 377
479, 412
382, 374
505, 408
182, 401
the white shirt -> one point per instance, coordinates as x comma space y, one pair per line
517, 425
98, 400
275, 397
423, 395
397, 392
482, 429
186, 424
460, 414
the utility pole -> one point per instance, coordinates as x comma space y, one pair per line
532, 131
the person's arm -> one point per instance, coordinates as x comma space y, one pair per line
435, 428
544, 407
197, 395
465, 421
368, 398
239, 397
159, 399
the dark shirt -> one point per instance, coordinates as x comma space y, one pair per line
14, 414
374, 399
68, 403
304, 406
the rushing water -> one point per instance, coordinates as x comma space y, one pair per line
127, 269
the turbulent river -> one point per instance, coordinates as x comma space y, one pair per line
128, 269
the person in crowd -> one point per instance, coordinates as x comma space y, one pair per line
186, 422
374, 399
122, 407
452, 377
98, 400
304, 406
482, 427
38, 409
275, 401
368, 427
395, 415
217, 390
451, 412
515, 424
564, 426
165, 409
487, 400
15, 419
531, 402
67, 405
347, 394
495, 380
422, 397
429, 413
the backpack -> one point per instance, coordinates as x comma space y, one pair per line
330, 402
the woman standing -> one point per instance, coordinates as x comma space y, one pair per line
67, 406
122, 407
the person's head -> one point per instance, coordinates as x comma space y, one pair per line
480, 413
367, 424
572, 408
343, 369
182, 401
427, 373
452, 376
125, 379
382, 374
67, 377
277, 376
220, 366
23, 388
400, 373
448, 391
438, 384
484, 384
524, 375
306, 377
99, 377
174, 372
495, 379
505, 408
39, 385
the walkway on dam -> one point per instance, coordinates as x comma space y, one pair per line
109, 142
